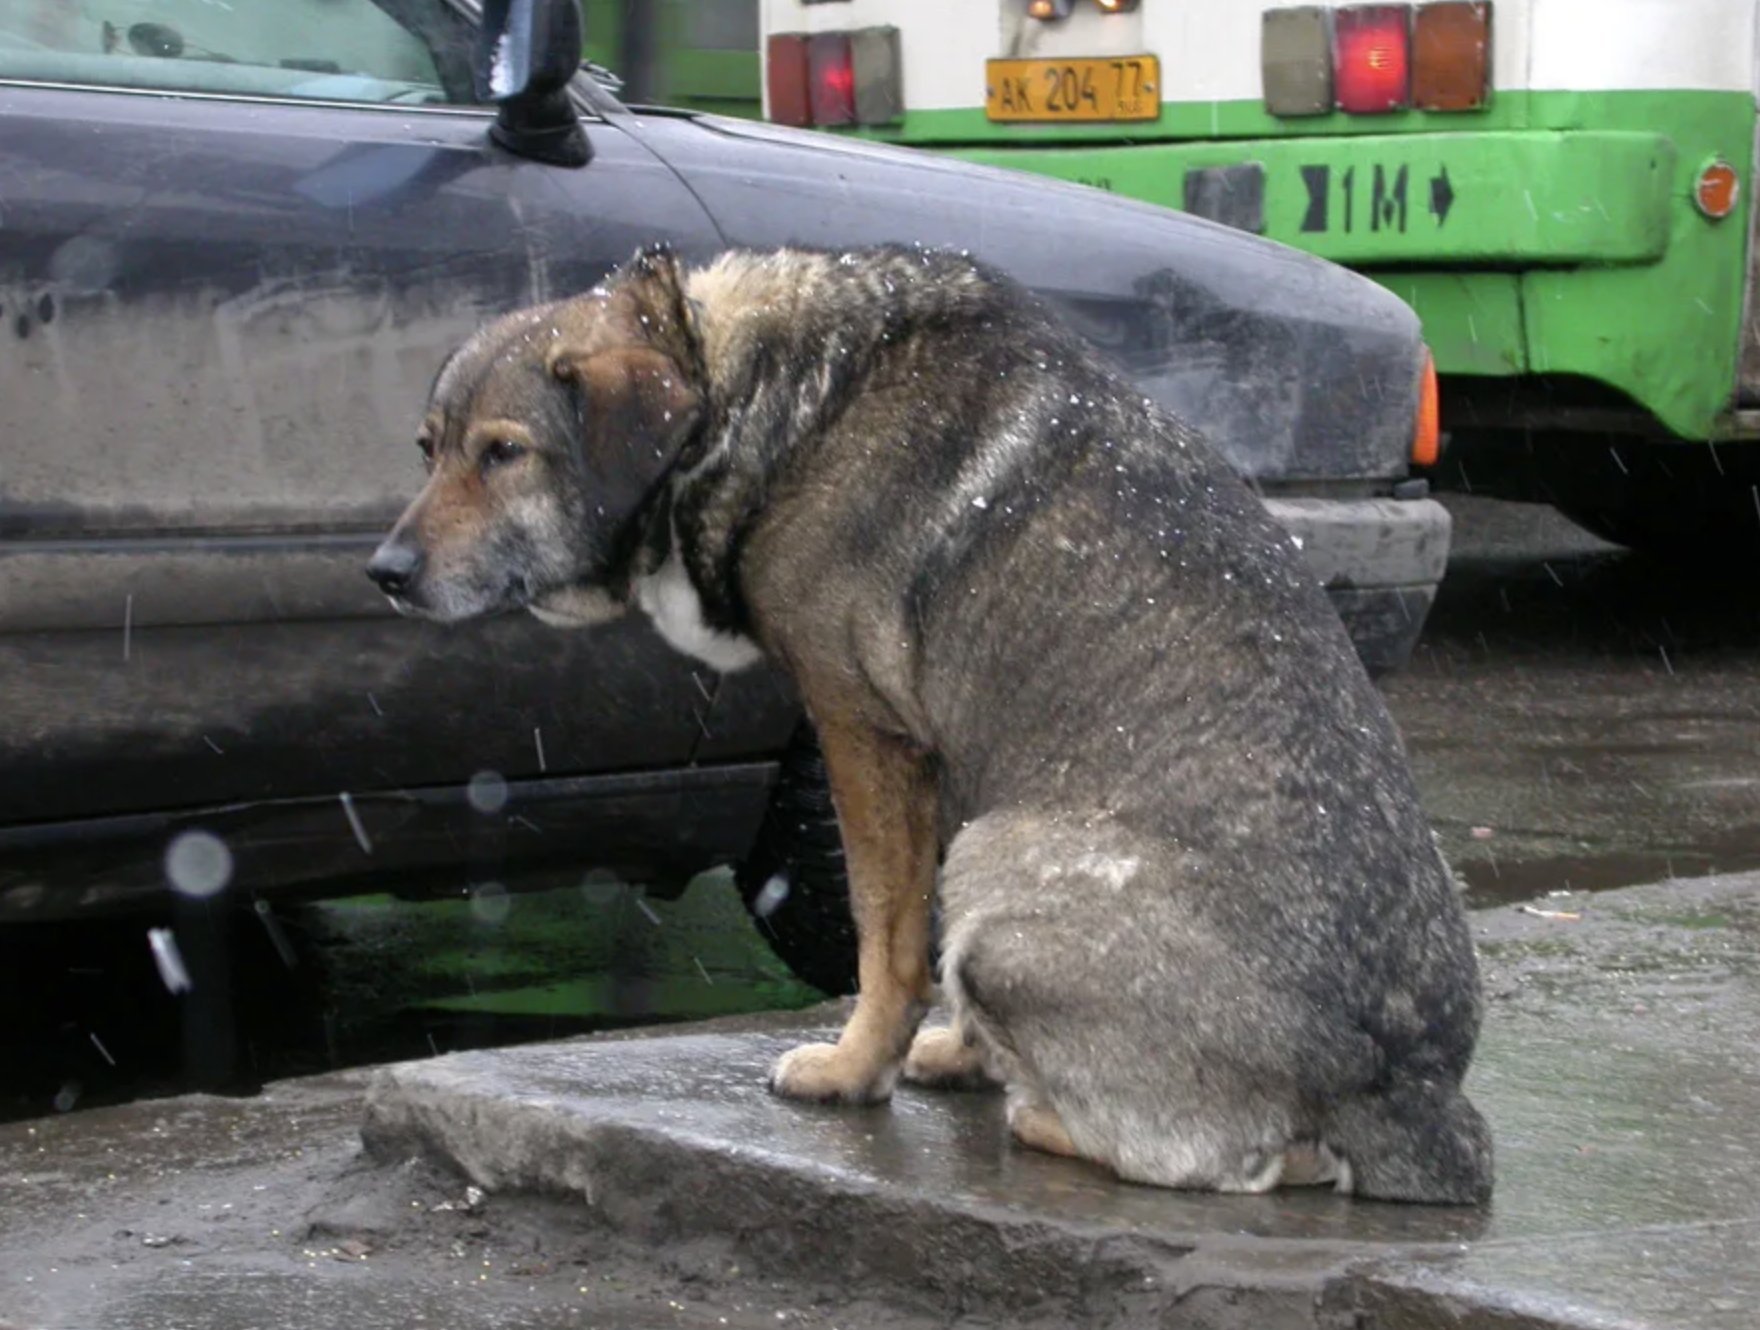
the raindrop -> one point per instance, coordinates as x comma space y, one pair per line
278, 937
770, 896
172, 972
198, 864
490, 903
354, 823
487, 792
67, 1096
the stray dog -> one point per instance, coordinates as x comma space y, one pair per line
1193, 917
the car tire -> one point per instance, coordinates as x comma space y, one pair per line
794, 882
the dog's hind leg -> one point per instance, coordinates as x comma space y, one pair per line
946, 1059
1037, 1126
884, 790
1423, 1142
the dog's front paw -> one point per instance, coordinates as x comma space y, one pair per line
831, 1074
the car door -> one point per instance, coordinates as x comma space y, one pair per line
236, 241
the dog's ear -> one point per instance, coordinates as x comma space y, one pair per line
657, 263
636, 408
658, 311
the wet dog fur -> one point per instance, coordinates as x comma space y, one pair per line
1065, 671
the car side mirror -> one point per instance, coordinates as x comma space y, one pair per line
528, 53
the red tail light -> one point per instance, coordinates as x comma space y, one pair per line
831, 79
785, 80
1372, 55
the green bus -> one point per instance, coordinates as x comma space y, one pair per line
1558, 187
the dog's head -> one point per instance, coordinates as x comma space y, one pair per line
545, 435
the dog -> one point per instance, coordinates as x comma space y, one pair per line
1066, 672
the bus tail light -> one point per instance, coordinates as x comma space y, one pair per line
1451, 56
826, 79
785, 80
831, 79
1295, 51
879, 76
1372, 58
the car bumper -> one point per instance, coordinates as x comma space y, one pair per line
1434, 199
1380, 561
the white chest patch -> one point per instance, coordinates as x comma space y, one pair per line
670, 599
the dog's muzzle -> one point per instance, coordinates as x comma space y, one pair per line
394, 568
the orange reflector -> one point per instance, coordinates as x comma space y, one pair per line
1427, 436
1717, 190
1451, 61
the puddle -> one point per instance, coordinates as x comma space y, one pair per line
1507, 882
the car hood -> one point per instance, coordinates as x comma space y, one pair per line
1295, 368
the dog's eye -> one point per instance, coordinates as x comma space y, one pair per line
499, 452
426, 445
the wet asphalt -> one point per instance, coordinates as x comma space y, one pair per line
1582, 718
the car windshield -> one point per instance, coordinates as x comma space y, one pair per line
330, 50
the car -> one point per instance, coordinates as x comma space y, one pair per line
235, 244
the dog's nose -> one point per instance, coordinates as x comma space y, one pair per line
394, 566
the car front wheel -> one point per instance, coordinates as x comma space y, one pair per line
794, 881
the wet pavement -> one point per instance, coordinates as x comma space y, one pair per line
650, 1180
207, 1213
1581, 718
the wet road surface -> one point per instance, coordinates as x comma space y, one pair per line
1580, 718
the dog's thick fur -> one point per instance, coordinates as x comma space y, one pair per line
1193, 916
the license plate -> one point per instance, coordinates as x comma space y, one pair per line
1126, 87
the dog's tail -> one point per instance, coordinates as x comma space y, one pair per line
1423, 1143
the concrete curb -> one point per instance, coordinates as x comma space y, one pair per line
1601, 1222
660, 1190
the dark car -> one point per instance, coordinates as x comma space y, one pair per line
236, 242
